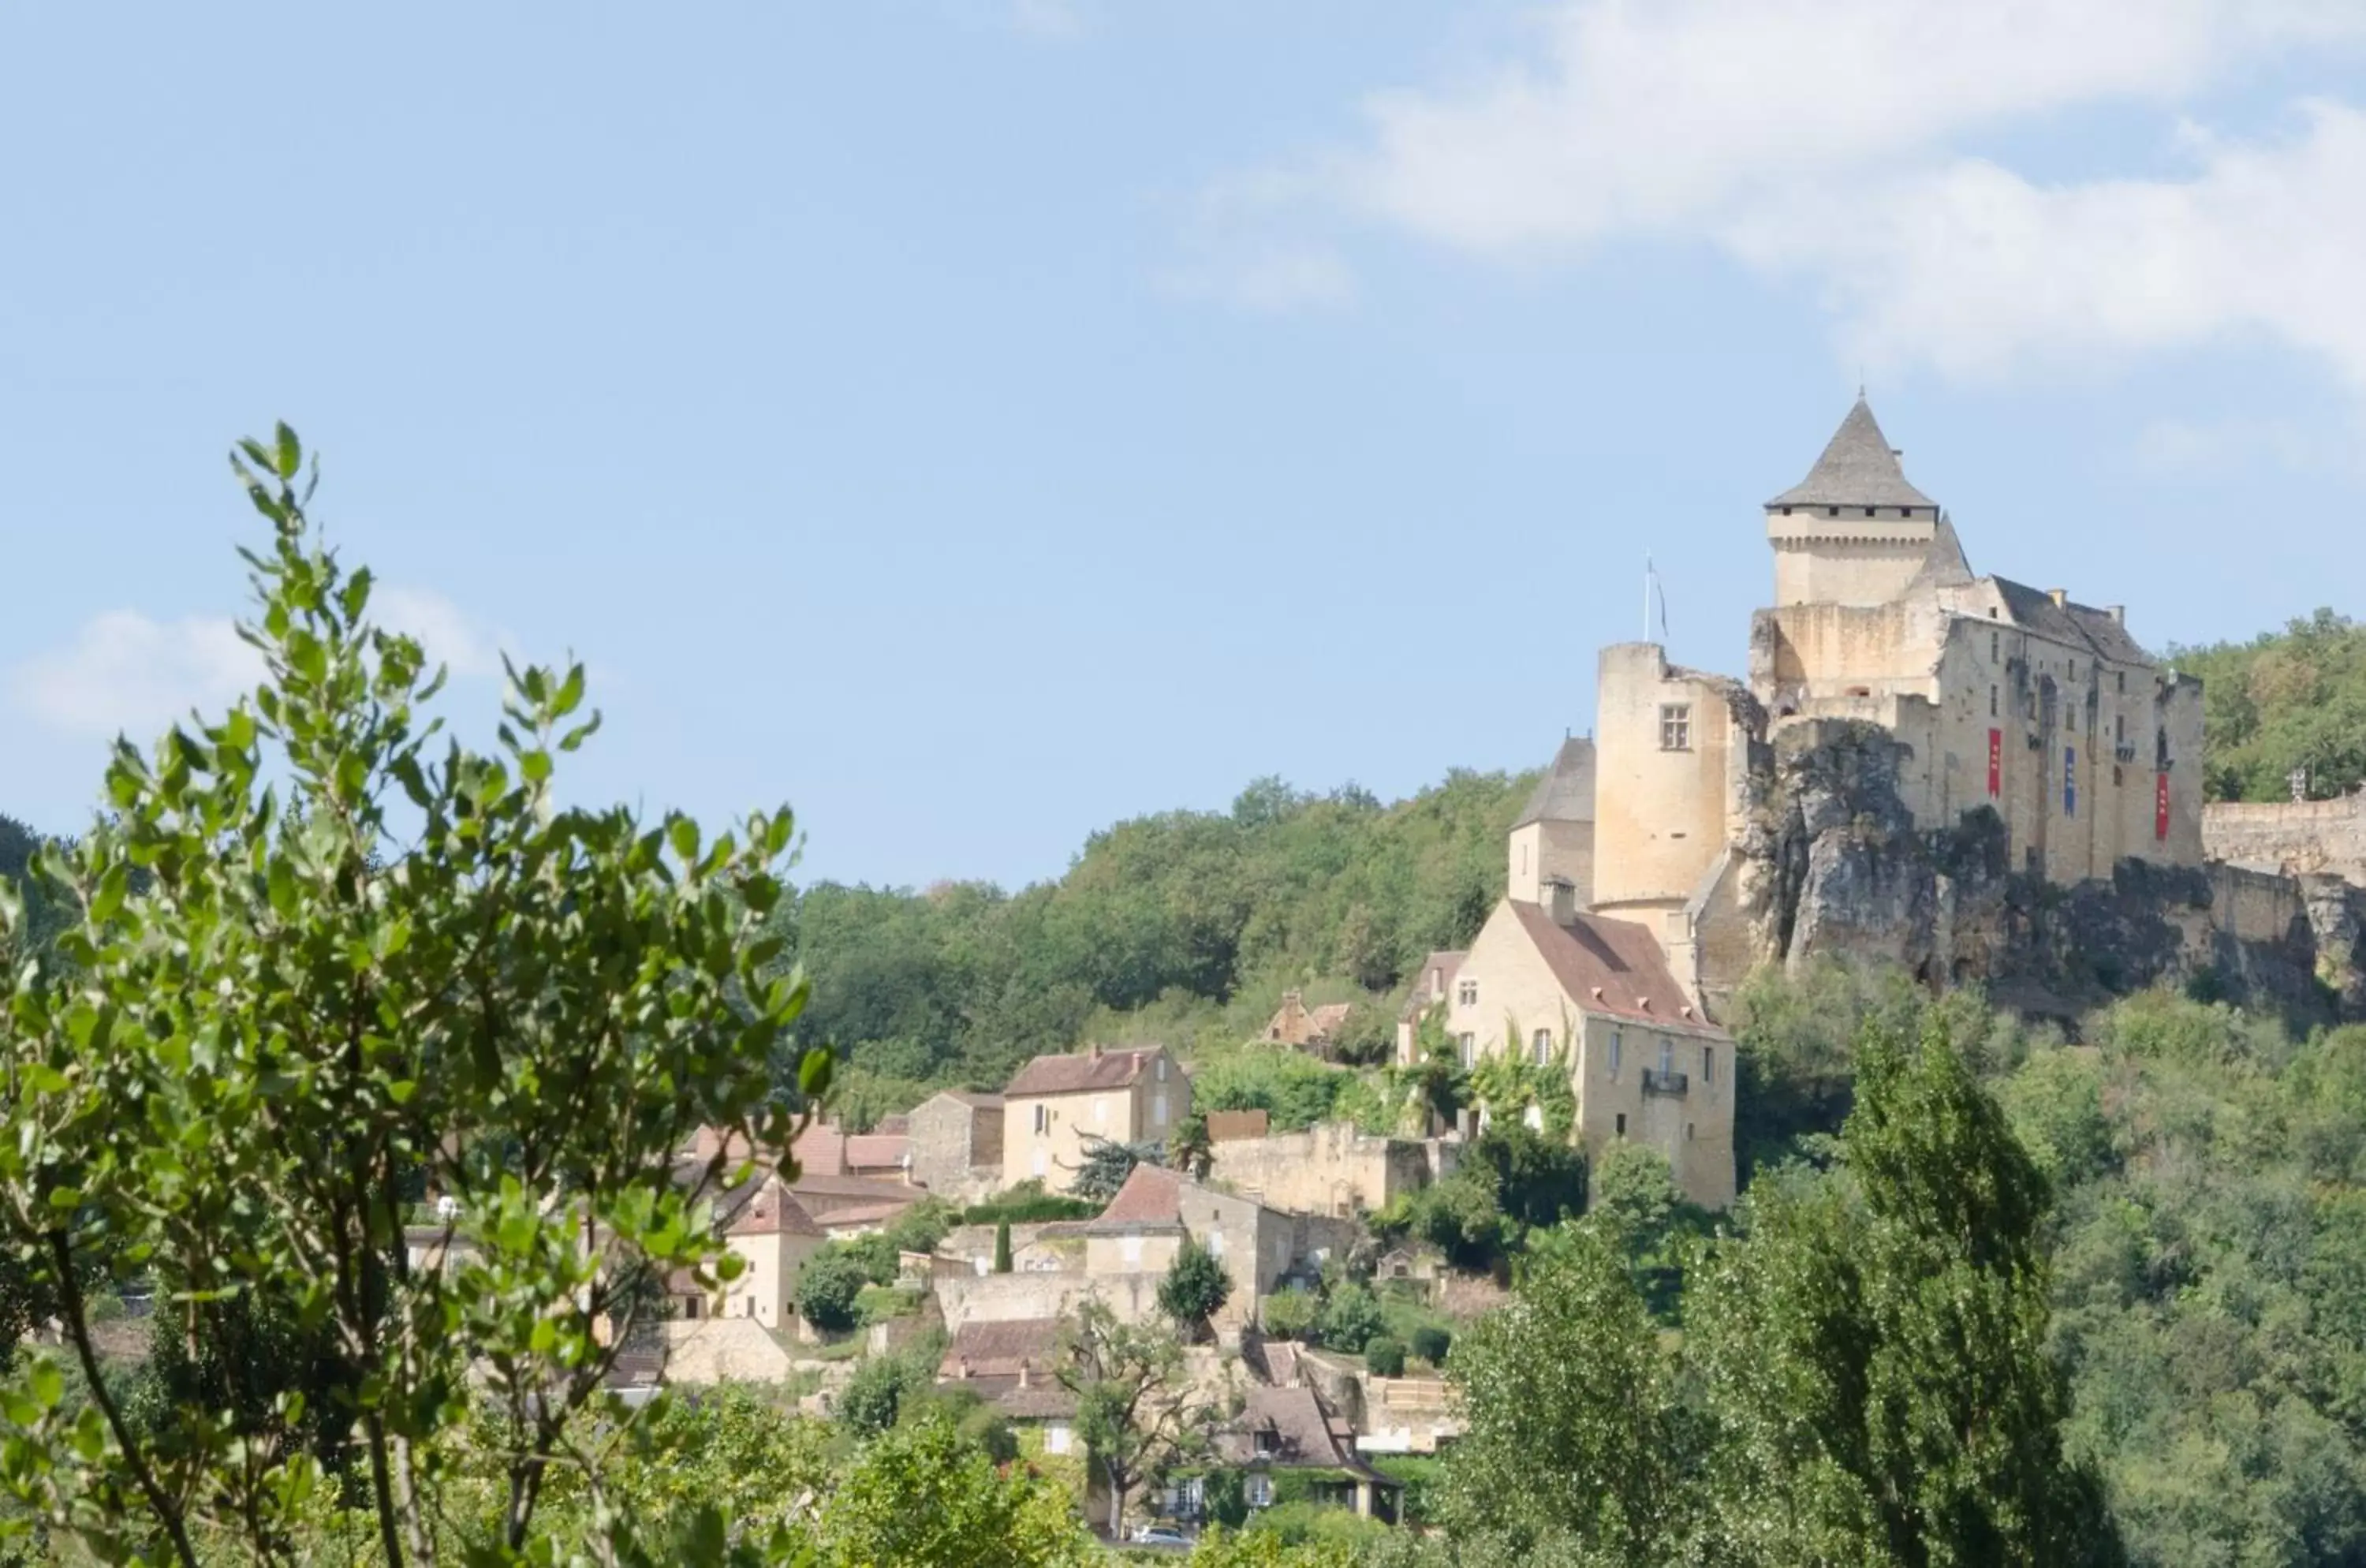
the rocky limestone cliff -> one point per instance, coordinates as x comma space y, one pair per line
1830, 863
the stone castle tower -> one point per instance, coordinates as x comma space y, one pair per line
1999, 697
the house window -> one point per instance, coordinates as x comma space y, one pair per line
1132, 1249
1617, 1050
1618, 1125
1265, 1441
1675, 726
1057, 1437
1161, 1069
1043, 1119
1542, 1044
1215, 1244
1467, 993
1158, 1109
1259, 1490
1100, 1112
1667, 1055
1709, 1064
1469, 1050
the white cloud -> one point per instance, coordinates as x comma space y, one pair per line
1247, 245
2179, 448
1827, 139
447, 635
126, 674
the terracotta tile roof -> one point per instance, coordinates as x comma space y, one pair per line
863, 1214
877, 1151
820, 1150
763, 1207
1611, 966
1322, 1021
1298, 1433
1075, 1075
1152, 1197
999, 1349
1223, 1126
1035, 1400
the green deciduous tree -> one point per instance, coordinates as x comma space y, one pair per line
1195, 1288
1875, 1352
921, 1497
1576, 1445
827, 1285
329, 958
1137, 1408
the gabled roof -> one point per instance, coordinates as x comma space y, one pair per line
877, 1151
1299, 1434
2074, 624
1000, 1349
762, 1206
1445, 963
1075, 1075
970, 1098
1152, 1197
1322, 1020
1566, 792
1858, 468
1610, 966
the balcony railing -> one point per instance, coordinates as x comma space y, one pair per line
1660, 1080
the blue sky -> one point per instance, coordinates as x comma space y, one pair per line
975, 421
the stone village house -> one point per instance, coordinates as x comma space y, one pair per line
1055, 1105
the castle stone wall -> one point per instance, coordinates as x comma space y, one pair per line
2296, 837
1329, 1169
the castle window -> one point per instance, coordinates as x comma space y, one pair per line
1675, 726
1688, 1131
1667, 1055
1618, 1125
1467, 993
1831, 512
1868, 512
1993, 702
2124, 681
1043, 1119
1618, 1049
1542, 1045
1786, 512
2119, 729
1992, 644
1709, 1064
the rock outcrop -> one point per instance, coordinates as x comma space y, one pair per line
1829, 863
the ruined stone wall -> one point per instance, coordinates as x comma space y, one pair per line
2296, 837
1329, 1169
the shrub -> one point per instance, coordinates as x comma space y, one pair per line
1195, 1288
1384, 1357
1431, 1344
1291, 1314
1029, 1204
1350, 1318
828, 1287
876, 1391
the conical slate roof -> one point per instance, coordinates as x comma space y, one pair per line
1566, 793
1858, 468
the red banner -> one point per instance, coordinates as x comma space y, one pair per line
1996, 764
2160, 806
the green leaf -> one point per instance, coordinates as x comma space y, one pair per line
401, 1089
45, 1384
290, 455
43, 1079
107, 896
281, 882
682, 833
813, 1073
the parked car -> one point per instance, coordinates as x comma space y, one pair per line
1160, 1535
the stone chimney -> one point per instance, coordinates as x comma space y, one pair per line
2059, 595
1094, 1051
1561, 901
1022, 1372
2119, 613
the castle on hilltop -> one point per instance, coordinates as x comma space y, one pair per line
1901, 718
